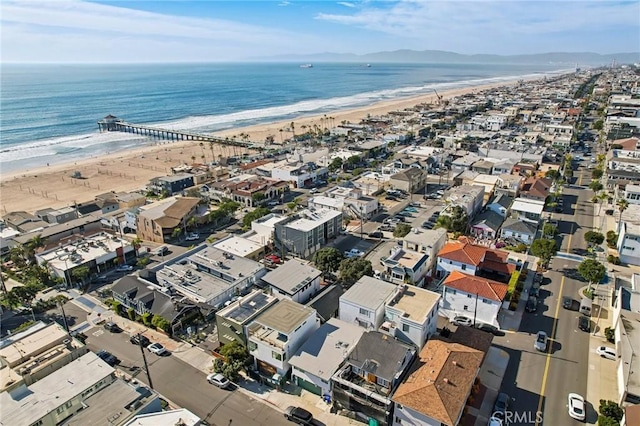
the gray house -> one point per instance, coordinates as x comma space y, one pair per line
519, 230
232, 320
303, 234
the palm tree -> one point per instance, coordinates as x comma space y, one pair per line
293, 129
280, 135
212, 151
136, 243
202, 148
622, 206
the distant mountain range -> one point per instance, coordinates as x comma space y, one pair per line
440, 56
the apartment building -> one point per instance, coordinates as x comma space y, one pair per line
303, 234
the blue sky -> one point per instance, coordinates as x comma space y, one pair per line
188, 31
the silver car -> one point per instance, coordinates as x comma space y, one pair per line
541, 341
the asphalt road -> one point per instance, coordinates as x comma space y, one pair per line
185, 385
538, 381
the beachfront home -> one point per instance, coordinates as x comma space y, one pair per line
248, 190
169, 185
322, 354
22, 221
62, 215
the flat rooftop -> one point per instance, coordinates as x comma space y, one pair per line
285, 316
246, 307
415, 303
408, 259
165, 418
22, 346
46, 395
309, 220
291, 276
238, 245
369, 292
336, 203
527, 206
83, 250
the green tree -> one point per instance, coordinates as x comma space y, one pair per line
192, 223
23, 295
228, 207
293, 204
607, 421
622, 206
80, 273
611, 409
598, 125
591, 270
160, 323
612, 239
549, 229
131, 314
176, 232
351, 270
552, 174
597, 173
256, 214
236, 357
595, 185
336, 164
456, 221
146, 318
257, 198
593, 237
402, 229
327, 259
544, 248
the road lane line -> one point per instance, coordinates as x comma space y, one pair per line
553, 332
553, 339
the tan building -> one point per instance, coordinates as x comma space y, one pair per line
409, 180
156, 221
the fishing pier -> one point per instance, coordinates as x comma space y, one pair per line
114, 124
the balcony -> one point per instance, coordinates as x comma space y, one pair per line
271, 337
358, 386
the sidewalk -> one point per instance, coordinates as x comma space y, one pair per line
510, 320
491, 375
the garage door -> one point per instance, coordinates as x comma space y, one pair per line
306, 385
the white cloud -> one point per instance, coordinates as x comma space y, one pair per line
284, 3
424, 20
346, 4
72, 29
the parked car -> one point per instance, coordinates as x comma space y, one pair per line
157, 349
107, 357
161, 251
461, 320
353, 253
576, 406
501, 406
567, 302
313, 190
584, 323
427, 225
140, 340
124, 268
218, 380
411, 210
298, 415
607, 352
112, 327
495, 421
390, 198
192, 237
415, 204
273, 258
376, 234
534, 290
532, 304
488, 328
541, 341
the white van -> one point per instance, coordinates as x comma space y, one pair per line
162, 250
585, 306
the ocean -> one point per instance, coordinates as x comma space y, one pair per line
49, 113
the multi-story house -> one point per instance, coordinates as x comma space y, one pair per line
632, 193
62, 215
477, 298
322, 354
405, 266
427, 242
372, 372
232, 321
276, 334
248, 190
299, 174
523, 231
509, 184
527, 210
437, 390
411, 315
364, 303
500, 204
409, 180
473, 259
535, 188
628, 243
169, 185
626, 323
469, 197
294, 280
157, 221
303, 234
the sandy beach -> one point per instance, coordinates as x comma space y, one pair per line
131, 170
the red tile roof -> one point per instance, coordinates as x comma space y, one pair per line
483, 287
463, 252
441, 381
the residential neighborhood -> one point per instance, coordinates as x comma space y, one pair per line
395, 271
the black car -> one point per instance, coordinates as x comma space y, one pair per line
488, 328
140, 340
584, 323
501, 405
112, 327
376, 234
567, 302
298, 415
535, 290
532, 304
108, 358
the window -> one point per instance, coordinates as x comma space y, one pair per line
405, 327
382, 382
466, 308
364, 312
486, 301
464, 267
469, 296
60, 409
252, 346
276, 355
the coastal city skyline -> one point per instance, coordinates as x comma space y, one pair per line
196, 31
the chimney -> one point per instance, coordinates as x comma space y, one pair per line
455, 363
446, 380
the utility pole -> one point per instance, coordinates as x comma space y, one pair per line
64, 318
475, 311
144, 359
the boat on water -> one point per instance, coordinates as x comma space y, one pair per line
368, 65
306, 66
